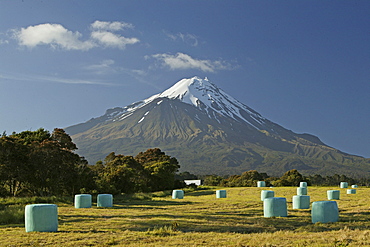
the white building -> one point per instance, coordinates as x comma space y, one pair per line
196, 182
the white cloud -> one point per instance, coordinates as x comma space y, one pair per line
184, 61
109, 39
186, 38
111, 26
54, 35
103, 68
3, 41
57, 36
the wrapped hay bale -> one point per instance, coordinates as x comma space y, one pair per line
261, 184
301, 191
83, 201
105, 200
177, 194
267, 194
220, 193
343, 185
324, 212
301, 202
41, 218
275, 207
351, 191
354, 186
303, 184
333, 194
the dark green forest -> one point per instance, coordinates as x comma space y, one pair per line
40, 163
290, 178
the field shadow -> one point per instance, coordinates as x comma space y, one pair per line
201, 193
153, 204
251, 221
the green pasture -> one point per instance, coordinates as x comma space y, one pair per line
200, 219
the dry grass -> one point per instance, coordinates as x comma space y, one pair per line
202, 220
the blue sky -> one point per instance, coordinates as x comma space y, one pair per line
302, 64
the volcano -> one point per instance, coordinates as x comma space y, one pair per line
209, 132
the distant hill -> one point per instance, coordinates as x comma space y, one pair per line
209, 132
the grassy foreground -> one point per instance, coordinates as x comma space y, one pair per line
202, 220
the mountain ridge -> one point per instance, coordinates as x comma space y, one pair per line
208, 131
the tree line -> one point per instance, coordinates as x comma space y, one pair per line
289, 178
40, 163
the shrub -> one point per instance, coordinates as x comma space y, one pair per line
13, 214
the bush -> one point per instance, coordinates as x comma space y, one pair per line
13, 214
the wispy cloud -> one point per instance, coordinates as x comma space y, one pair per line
103, 67
3, 41
111, 26
57, 36
187, 38
52, 79
113, 40
184, 61
103, 35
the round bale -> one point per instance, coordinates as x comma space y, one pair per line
324, 211
333, 194
83, 201
275, 207
220, 193
41, 218
105, 200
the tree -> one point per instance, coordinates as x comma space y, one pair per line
185, 176
64, 140
159, 169
250, 178
212, 180
120, 174
14, 165
233, 181
44, 162
291, 178
28, 136
54, 168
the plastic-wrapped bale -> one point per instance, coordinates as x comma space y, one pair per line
267, 194
301, 202
220, 193
324, 211
275, 207
354, 186
343, 185
105, 200
261, 184
83, 201
177, 194
302, 191
333, 194
351, 191
303, 184
41, 218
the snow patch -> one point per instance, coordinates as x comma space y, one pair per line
202, 94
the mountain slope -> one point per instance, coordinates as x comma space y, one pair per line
209, 132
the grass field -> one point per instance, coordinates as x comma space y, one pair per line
202, 220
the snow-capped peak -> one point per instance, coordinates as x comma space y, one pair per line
206, 96
190, 91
